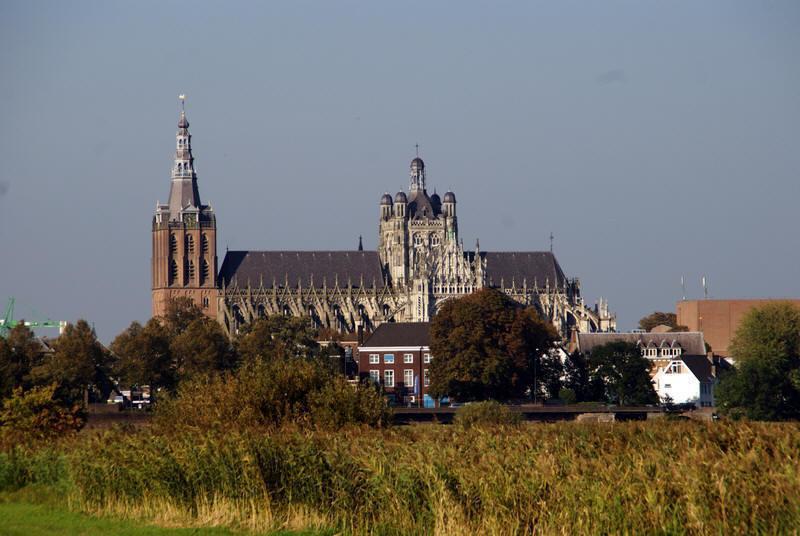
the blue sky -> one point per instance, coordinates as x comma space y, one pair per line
654, 139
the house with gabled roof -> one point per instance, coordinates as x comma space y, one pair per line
689, 379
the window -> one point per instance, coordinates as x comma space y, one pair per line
203, 271
388, 359
408, 358
173, 244
408, 378
205, 302
417, 240
674, 368
204, 243
190, 243
374, 359
426, 358
191, 269
173, 271
434, 240
426, 374
375, 376
388, 378
667, 385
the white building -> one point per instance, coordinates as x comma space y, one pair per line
689, 379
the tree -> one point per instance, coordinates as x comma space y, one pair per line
277, 337
143, 356
19, 353
765, 385
659, 318
201, 347
487, 346
619, 371
79, 364
37, 414
580, 381
179, 314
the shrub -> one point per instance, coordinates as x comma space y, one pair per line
269, 394
486, 413
567, 395
338, 403
37, 415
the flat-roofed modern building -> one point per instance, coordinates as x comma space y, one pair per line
719, 319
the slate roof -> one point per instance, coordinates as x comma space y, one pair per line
256, 266
700, 367
421, 207
691, 342
521, 267
392, 334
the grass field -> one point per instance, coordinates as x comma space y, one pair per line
636, 478
23, 519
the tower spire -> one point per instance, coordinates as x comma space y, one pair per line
417, 172
183, 190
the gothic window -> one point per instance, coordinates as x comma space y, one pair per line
204, 243
435, 240
173, 244
205, 302
204, 271
191, 270
173, 271
190, 244
261, 311
417, 240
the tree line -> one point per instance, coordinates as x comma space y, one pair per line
489, 347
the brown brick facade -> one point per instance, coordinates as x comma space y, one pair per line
719, 319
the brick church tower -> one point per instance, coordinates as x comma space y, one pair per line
184, 261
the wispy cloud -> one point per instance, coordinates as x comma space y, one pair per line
611, 77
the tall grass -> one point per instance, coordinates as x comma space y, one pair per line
655, 477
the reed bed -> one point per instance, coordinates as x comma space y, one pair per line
652, 477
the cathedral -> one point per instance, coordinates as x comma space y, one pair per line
420, 263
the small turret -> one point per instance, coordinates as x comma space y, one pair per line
449, 207
386, 206
400, 202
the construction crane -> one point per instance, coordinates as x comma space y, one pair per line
7, 322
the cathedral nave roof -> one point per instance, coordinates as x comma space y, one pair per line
308, 267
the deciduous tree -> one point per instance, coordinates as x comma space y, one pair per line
765, 384
277, 337
200, 348
659, 318
487, 346
622, 374
143, 356
19, 353
78, 365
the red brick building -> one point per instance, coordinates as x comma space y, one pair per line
397, 356
719, 319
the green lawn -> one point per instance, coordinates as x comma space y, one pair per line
25, 519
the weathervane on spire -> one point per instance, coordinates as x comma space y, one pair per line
416, 147
551, 241
182, 98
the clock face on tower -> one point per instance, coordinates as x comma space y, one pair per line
189, 219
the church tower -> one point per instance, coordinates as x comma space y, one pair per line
184, 261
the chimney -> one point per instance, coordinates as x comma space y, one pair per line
714, 360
